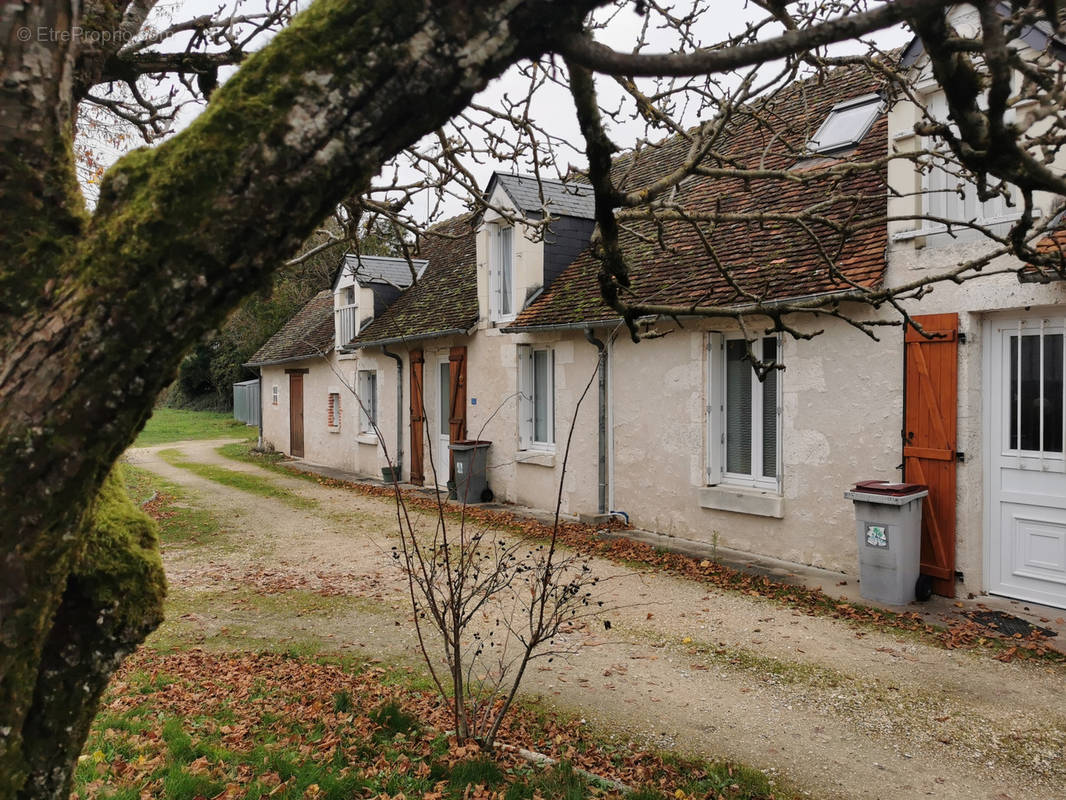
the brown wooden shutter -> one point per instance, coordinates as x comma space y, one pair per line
457, 407
929, 438
418, 420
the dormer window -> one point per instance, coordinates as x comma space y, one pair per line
501, 273
848, 122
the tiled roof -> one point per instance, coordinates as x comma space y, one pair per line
309, 333
570, 199
444, 299
1053, 247
772, 259
381, 269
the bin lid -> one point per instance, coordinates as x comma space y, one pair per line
467, 444
889, 489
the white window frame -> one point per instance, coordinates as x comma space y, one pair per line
527, 399
274, 395
346, 316
950, 199
872, 100
716, 419
367, 386
496, 282
1038, 328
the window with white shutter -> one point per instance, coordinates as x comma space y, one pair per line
368, 397
743, 414
536, 397
949, 194
501, 273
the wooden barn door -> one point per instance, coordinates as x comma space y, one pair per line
418, 420
457, 405
929, 438
296, 414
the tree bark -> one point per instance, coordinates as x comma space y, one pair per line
113, 599
97, 312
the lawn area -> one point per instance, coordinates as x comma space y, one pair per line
255, 484
176, 424
193, 724
286, 719
180, 521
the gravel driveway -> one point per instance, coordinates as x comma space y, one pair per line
837, 712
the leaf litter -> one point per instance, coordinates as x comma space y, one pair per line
195, 724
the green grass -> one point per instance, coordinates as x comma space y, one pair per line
393, 720
254, 484
190, 725
274, 462
176, 425
181, 521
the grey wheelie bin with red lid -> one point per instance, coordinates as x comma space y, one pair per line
888, 525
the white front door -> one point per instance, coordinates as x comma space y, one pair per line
1027, 470
444, 396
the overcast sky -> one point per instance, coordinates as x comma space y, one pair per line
552, 107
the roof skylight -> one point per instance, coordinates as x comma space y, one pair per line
846, 124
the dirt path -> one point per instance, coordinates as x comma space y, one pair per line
839, 712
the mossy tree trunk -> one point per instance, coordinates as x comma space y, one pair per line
97, 310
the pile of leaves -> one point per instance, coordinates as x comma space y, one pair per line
603, 541
203, 725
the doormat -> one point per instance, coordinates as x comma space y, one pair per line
1007, 624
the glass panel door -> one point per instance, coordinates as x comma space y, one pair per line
1035, 421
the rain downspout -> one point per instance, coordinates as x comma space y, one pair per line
399, 410
601, 460
259, 374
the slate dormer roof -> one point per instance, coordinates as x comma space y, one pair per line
308, 334
444, 301
571, 199
771, 259
385, 270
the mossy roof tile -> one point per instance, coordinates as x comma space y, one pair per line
309, 333
772, 254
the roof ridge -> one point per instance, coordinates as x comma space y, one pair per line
558, 181
404, 259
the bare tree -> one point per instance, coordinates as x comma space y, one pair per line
97, 309
489, 604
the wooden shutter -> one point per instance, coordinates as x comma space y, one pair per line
418, 420
929, 438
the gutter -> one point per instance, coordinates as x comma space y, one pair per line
259, 364
408, 339
563, 326
399, 412
259, 374
601, 439
741, 309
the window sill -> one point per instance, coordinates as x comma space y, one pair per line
367, 438
940, 230
539, 458
742, 500
333, 428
